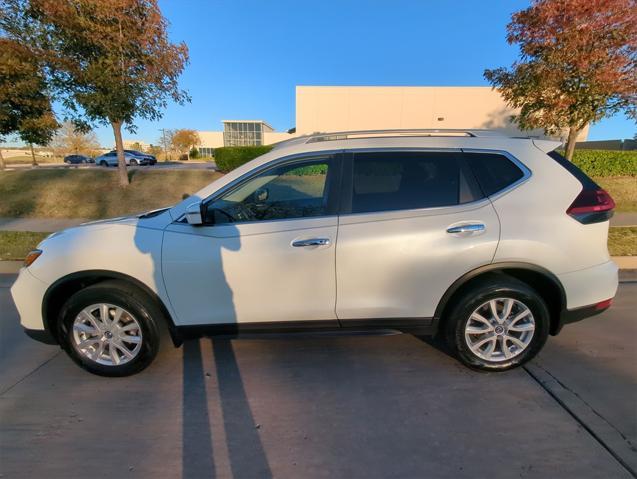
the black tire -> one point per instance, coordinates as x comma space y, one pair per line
133, 163
103, 163
133, 300
488, 288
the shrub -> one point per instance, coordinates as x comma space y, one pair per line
194, 153
230, 157
606, 162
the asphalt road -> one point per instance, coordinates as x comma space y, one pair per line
346, 407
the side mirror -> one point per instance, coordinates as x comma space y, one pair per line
193, 214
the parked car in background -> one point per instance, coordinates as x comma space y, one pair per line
151, 158
78, 159
493, 243
110, 159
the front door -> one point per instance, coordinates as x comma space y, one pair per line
266, 251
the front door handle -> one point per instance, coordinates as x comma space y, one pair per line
467, 229
311, 242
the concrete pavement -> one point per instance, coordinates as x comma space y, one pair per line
350, 407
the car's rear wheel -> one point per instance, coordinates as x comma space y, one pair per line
497, 324
110, 329
133, 163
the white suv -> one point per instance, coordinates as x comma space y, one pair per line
492, 242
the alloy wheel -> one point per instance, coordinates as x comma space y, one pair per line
500, 329
107, 334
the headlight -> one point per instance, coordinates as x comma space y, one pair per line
31, 257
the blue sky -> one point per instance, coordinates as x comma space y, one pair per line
246, 57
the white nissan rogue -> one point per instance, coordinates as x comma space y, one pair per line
491, 242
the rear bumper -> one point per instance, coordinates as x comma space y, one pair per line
589, 286
588, 293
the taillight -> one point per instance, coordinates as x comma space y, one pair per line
592, 206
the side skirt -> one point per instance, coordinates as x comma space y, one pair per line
419, 326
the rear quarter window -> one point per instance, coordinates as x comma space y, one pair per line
493, 171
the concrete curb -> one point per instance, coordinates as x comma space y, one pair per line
602, 431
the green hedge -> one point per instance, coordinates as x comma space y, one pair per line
228, 158
592, 162
606, 162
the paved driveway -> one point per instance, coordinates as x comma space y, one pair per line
346, 407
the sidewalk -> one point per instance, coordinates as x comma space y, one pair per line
39, 225
624, 219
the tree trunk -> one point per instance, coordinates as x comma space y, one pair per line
119, 147
570, 143
33, 160
1, 160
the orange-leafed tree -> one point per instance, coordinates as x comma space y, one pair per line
184, 139
108, 61
577, 64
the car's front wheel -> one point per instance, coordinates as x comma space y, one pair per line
498, 324
109, 329
103, 163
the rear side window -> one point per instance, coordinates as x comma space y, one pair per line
390, 181
586, 182
494, 172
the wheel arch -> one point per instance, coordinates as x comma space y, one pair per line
58, 292
542, 280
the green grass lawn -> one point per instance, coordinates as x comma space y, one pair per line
622, 241
623, 189
94, 193
27, 160
14, 245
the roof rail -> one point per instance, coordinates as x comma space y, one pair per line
343, 135
417, 132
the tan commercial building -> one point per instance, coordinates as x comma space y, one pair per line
346, 108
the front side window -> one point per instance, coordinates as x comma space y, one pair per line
296, 190
391, 181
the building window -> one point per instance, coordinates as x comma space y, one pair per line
206, 151
242, 133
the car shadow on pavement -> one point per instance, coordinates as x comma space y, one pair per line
246, 453
197, 458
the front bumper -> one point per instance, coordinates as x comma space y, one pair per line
42, 335
28, 293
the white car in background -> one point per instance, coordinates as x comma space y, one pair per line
110, 159
493, 243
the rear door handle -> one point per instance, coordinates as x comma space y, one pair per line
468, 229
311, 242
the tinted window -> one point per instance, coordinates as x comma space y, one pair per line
297, 190
574, 170
494, 172
404, 180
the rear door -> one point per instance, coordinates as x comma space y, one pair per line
412, 223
